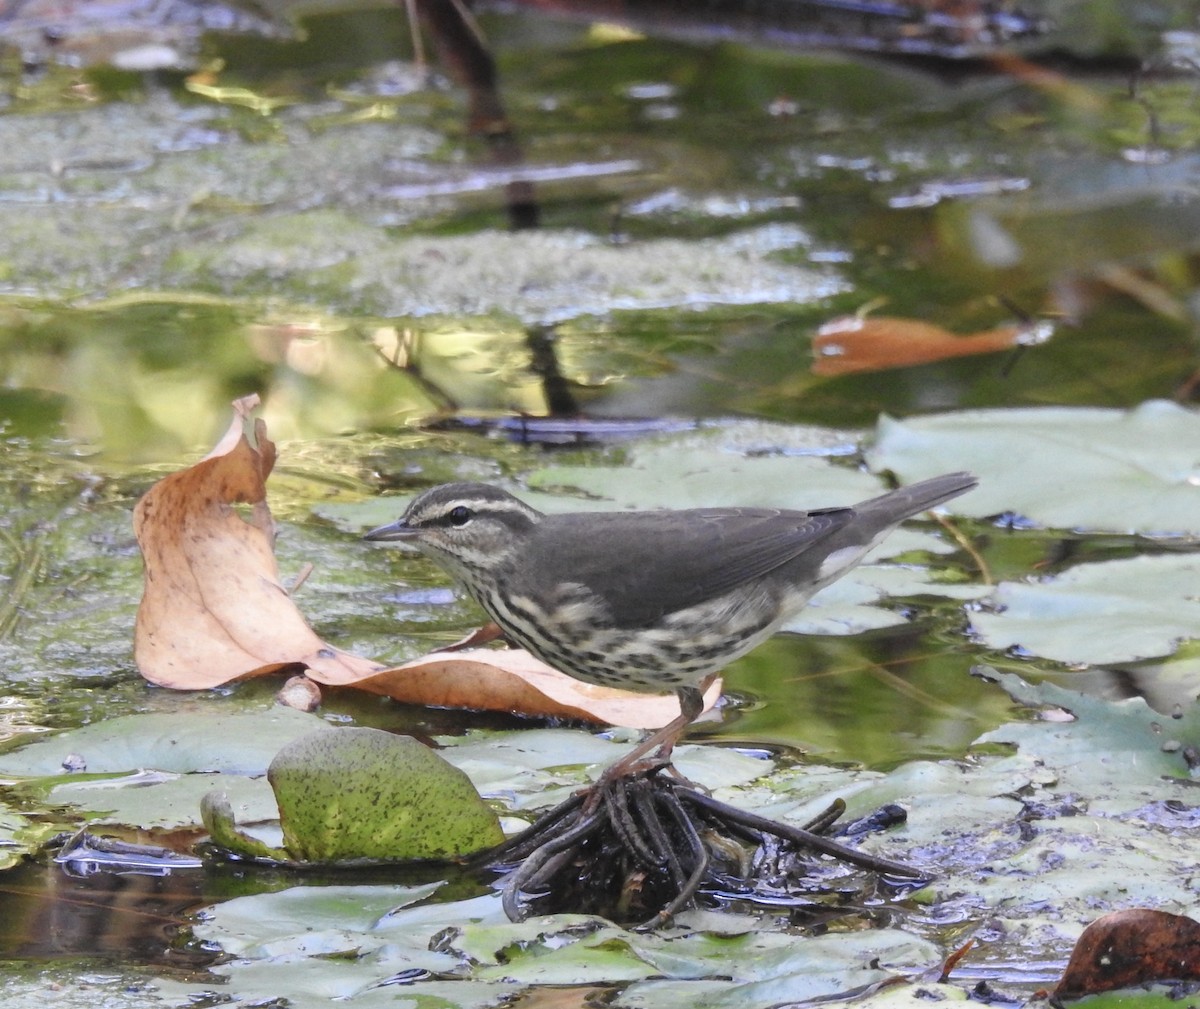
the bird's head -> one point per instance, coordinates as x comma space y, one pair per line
467, 527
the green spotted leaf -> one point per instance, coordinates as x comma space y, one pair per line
365, 793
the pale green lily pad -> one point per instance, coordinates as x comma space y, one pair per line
220, 741
1128, 471
737, 464
160, 801
769, 969
151, 770
1114, 611
1109, 749
541, 767
249, 926
365, 793
851, 604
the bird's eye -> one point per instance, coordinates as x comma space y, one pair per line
460, 515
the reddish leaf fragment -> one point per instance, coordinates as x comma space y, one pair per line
852, 344
953, 959
1133, 947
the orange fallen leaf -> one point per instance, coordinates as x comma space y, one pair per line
1132, 947
458, 679
875, 343
214, 609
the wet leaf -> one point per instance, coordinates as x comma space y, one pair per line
214, 609
1132, 947
513, 680
1115, 611
365, 793
1131, 471
852, 344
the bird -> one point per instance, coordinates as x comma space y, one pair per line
647, 601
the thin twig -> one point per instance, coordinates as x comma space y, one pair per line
806, 838
699, 853
624, 827
510, 898
512, 847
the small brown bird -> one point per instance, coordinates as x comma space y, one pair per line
648, 601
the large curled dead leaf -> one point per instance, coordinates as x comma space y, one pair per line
214, 609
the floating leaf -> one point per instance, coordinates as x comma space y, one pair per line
852, 343
365, 793
230, 742
1115, 611
1134, 471
1108, 749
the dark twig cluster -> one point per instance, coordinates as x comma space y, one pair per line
641, 846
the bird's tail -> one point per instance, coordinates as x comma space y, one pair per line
895, 506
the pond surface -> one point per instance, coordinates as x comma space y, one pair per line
311, 218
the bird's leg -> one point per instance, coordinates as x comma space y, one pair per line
691, 704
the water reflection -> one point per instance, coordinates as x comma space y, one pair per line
47, 913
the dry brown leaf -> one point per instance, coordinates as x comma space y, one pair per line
480, 677
214, 609
1132, 947
852, 344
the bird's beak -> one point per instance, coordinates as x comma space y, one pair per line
398, 530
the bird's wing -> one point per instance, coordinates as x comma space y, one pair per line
666, 561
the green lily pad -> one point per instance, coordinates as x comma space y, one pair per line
158, 801
227, 742
1129, 471
736, 464
1113, 750
365, 793
1115, 611
150, 771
